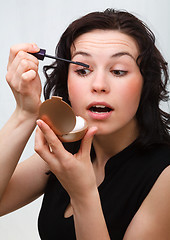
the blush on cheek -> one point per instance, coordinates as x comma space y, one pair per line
75, 88
133, 89
75, 95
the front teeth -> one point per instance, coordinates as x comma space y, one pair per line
99, 109
99, 106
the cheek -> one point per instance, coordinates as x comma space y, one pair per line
131, 93
75, 91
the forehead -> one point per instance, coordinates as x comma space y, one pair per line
111, 40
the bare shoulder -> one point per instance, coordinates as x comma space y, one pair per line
152, 221
27, 183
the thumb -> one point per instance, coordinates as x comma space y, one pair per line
87, 141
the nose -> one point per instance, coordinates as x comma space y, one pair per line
100, 83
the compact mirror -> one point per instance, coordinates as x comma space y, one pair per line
62, 120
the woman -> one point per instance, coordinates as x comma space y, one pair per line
119, 188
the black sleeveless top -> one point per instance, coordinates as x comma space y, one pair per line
129, 176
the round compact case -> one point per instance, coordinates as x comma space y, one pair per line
61, 119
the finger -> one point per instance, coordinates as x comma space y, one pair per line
86, 143
53, 141
26, 66
26, 71
26, 47
21, 56
21, 64
29, 75
25, 55
41, 145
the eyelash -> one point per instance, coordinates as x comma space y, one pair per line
82, 72
119, 73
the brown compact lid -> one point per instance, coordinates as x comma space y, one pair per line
58, 115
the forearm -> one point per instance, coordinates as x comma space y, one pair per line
13, 138
88, 219
76, 174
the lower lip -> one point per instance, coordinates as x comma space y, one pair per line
99, 116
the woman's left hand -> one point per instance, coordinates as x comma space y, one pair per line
75, 172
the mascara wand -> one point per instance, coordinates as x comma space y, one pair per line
42, 54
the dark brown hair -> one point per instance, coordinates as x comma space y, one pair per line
153, 122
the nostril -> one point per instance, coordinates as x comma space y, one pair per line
99, 90
100, 86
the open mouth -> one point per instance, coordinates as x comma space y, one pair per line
100, 109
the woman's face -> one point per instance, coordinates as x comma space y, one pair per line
107, 94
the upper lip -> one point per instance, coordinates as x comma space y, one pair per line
99, 104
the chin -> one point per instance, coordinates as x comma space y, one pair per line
103, 132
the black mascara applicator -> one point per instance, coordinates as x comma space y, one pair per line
42, 54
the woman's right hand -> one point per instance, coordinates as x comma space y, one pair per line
23, 78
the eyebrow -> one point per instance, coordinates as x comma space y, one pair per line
81, 53
118, 54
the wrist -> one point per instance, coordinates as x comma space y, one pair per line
88, 214
24, 116
85, 201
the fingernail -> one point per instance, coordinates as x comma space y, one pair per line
39, 123
35, 47
95, 129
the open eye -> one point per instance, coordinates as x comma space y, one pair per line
83, 72
119, 73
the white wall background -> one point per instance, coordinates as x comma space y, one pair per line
43, 22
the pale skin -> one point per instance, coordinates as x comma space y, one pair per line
113, 78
